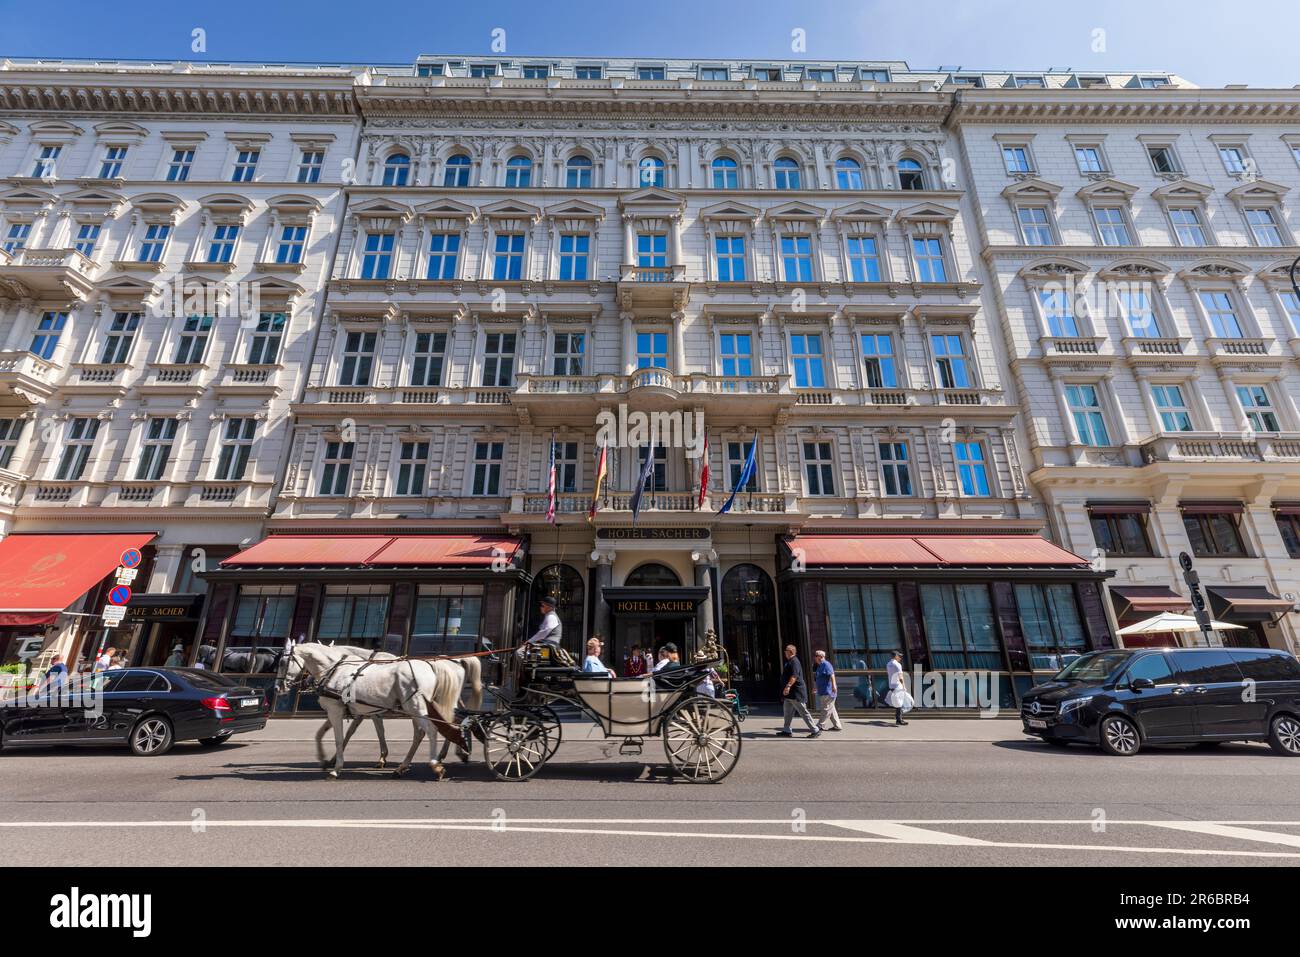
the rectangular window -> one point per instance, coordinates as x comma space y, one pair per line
310, 165
76, 449
481, 71
358, 358
864, 259
865, 630
263, 612
652, 250
1163, 159
16, 238
427, 358
193, 340
1058, 312
1222, 314
447, 619
950, 363
731, 258
178, 170
713, 73
354, 614
1135, 306
796, 258
1214, 534
444, 249
111, 165
1111, 226
1050, 620
1016, 159
293, 239
11, 430
499, 359
156, 449
971, 469
894, 469
927, 253
1264, 227
46, 162
1188, 227
120, 337
222, 247
1089, 160
819, 468
650, 73
412, 463
1292, 307
1257, 405
508, 261
574, 249
1234, 158
806, 357
1172, 408
487, 467
652, 350
821, 76
264, 343
1036, 226
245, 166
657, 479
536, 72
959, 627
336, 468
87, 238
566, 466
737, 456
1288, 525
736, 354
567, 353
1122, 534
236, 447
878, 355
48, 331
154, 243
586, 73
377, 257
1085, 409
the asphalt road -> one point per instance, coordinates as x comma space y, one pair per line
1006, 800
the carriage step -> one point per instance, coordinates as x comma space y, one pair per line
631, 747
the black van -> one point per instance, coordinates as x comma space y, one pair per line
1123, 699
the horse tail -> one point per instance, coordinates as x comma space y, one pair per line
474, 676
449, 681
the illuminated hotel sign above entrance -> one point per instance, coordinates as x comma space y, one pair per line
660, 602
652, 534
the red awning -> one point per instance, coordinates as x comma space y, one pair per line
1147, 600
936, 550
368, 551
41, 575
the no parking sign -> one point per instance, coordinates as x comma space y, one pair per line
130, 558
119, 595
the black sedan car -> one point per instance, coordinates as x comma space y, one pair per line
148, 709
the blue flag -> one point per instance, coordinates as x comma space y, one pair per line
646, 469
746, 475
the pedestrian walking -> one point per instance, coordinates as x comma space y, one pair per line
794, 695
827, 690
105, 660
53, 679
897, 696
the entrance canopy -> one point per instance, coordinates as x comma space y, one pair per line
933, 551
41, 575
1247, 603
378, 551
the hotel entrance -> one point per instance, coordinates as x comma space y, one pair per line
652, 616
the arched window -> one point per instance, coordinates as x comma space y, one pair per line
725, 173
519, 172
652, 574
848, 173
564, 585
457, 171
577, 173
910, 175
651, 172
397, 170
749, 631
786, 172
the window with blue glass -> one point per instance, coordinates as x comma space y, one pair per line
245, 166
971, 468
47, 159
959, 627
878, 357
1050, 620
578, 172
1085, 408
310, 164
222, 247
1222, 314
731, 258
178, 170
154, 242
950, 365
848, 173
293, 239
895, 471
786, 174
864, 626
1135, 307
726, 173
48, 331
652, 350
111, 165
574, 250
652, 250
377, 256
1058, 312
735, 350
508, 257
519, 172
864, 259
796, 258
806, 358
444, 248
910, 174
651, 171
87, 239
927, 253
397, 170
16, 238
456, 170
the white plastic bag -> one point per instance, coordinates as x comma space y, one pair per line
899, 698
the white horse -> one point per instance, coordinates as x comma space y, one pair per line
347, 683
473, 681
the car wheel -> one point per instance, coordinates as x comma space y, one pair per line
152, 736
1119, 736
213, 742
1284, 735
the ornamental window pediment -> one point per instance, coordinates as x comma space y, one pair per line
791, 213
652, 200
1215, 270
731, 211
926, 213
575, 209
1107, 191
1259, 191
1032, 189
1183, 191
509, 209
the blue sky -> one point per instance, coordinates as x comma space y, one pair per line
1210, 43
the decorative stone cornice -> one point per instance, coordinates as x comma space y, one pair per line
1115, 107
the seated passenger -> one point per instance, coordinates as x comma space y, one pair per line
592, 664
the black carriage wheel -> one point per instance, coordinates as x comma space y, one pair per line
551, 721
702, 740
515, 745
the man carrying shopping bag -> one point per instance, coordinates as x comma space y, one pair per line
898, 698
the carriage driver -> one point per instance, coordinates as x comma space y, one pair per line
549, 632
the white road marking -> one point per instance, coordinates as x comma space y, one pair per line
902, 834
1226, 830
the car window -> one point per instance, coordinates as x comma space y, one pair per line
106, 680
1094, 667
1205, 667
1266, 666
138, 681
1155, 667
207, 681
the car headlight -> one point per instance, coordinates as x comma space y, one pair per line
1072, 705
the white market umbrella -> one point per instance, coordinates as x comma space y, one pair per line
1167, 621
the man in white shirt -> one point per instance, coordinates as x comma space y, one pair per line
548, 633
894, 675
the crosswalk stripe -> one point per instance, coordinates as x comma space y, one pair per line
1237, 833
906, 833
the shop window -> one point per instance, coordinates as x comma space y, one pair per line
261, 623
959, 627
864, 626
353, 614
1049, 618
448, 620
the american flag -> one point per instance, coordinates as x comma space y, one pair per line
550, 491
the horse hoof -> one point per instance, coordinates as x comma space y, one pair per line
326, 765
439, 771
463, 755
398, 772
332, 775
381, 765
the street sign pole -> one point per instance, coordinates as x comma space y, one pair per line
1208, 634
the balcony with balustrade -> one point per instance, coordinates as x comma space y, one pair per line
527, 507
656, 287
551, 397
1235, 351
1222, 447
65, 273
27, 377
